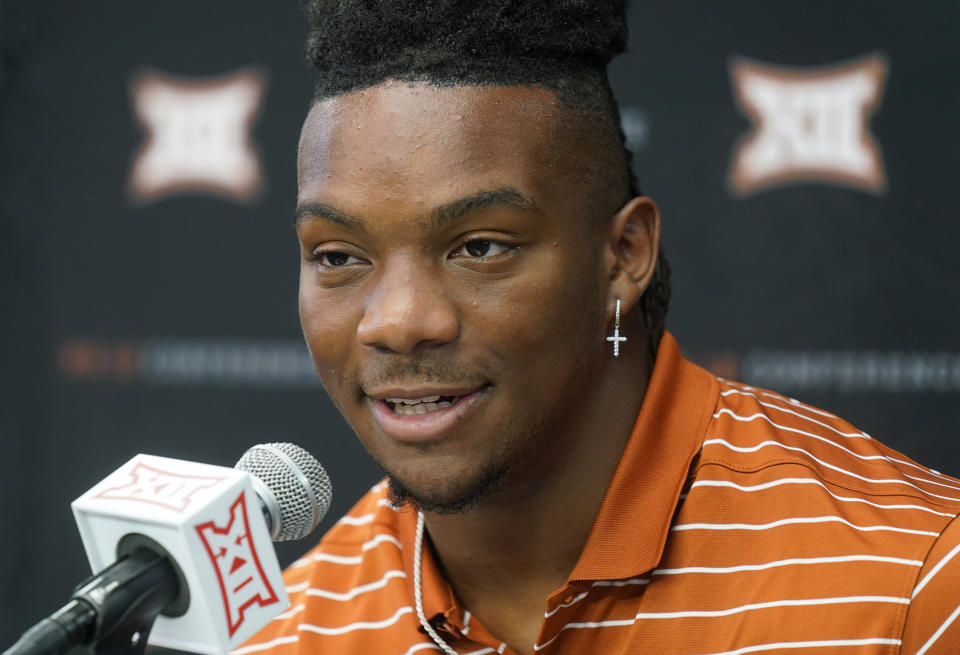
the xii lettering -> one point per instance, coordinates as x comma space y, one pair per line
168, 489
233, 555
809, 125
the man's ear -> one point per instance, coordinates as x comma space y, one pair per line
631, 252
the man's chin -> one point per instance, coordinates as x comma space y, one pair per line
455, 499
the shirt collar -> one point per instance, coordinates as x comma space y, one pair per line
631, 528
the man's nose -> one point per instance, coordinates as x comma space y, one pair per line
408, 309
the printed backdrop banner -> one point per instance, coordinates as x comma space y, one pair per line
803, 155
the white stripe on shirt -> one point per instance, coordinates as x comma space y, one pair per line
823, 643
253, 648
621, 583
576, 599
356, 591
584, 624
798, 602
776, 396
823, 463
936, 569
939, 632
356, 520
799, 521
857, 435
786, 428
925, 469
296, 609
359, 625
421, 646
788, 562
348, 559
782, 481
939, 484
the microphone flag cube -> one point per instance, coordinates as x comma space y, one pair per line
209, 519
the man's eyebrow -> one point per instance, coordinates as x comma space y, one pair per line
437, 217
312, 210
505, 197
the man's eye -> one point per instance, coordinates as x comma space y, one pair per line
481, 248
335, 259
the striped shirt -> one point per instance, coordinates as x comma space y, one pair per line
738, 521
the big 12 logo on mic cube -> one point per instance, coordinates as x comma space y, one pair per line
209, 519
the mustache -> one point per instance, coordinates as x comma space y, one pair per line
388, 371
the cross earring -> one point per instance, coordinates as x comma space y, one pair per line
616, 338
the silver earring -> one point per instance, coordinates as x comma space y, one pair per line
616, 338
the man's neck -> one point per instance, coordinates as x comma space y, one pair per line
523, 542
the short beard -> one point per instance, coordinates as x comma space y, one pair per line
493, 478
400, 495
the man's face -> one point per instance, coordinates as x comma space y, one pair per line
451, 290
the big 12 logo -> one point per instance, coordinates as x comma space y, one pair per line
233, 555
171, 490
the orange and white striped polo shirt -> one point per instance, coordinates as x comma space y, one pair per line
738, 521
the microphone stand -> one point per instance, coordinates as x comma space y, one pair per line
113, 611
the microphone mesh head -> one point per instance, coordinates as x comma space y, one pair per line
297, 481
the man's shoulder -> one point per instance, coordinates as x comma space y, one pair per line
783, 441
355, 575
795, 507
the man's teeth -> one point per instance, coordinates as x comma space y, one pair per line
407, 401
407, 406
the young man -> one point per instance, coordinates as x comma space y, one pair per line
482, 292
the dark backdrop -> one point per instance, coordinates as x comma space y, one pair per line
169, 325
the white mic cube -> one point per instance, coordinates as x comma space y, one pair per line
209, 519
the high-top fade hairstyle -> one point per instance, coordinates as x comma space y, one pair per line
560, 45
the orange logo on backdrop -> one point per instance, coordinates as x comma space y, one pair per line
198, 135
809, 125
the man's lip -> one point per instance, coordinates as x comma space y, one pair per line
413, 393
423, 428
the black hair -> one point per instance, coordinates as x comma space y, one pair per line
561, 45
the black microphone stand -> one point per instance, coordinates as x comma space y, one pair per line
112, 612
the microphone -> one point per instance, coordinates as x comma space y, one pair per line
192, 569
